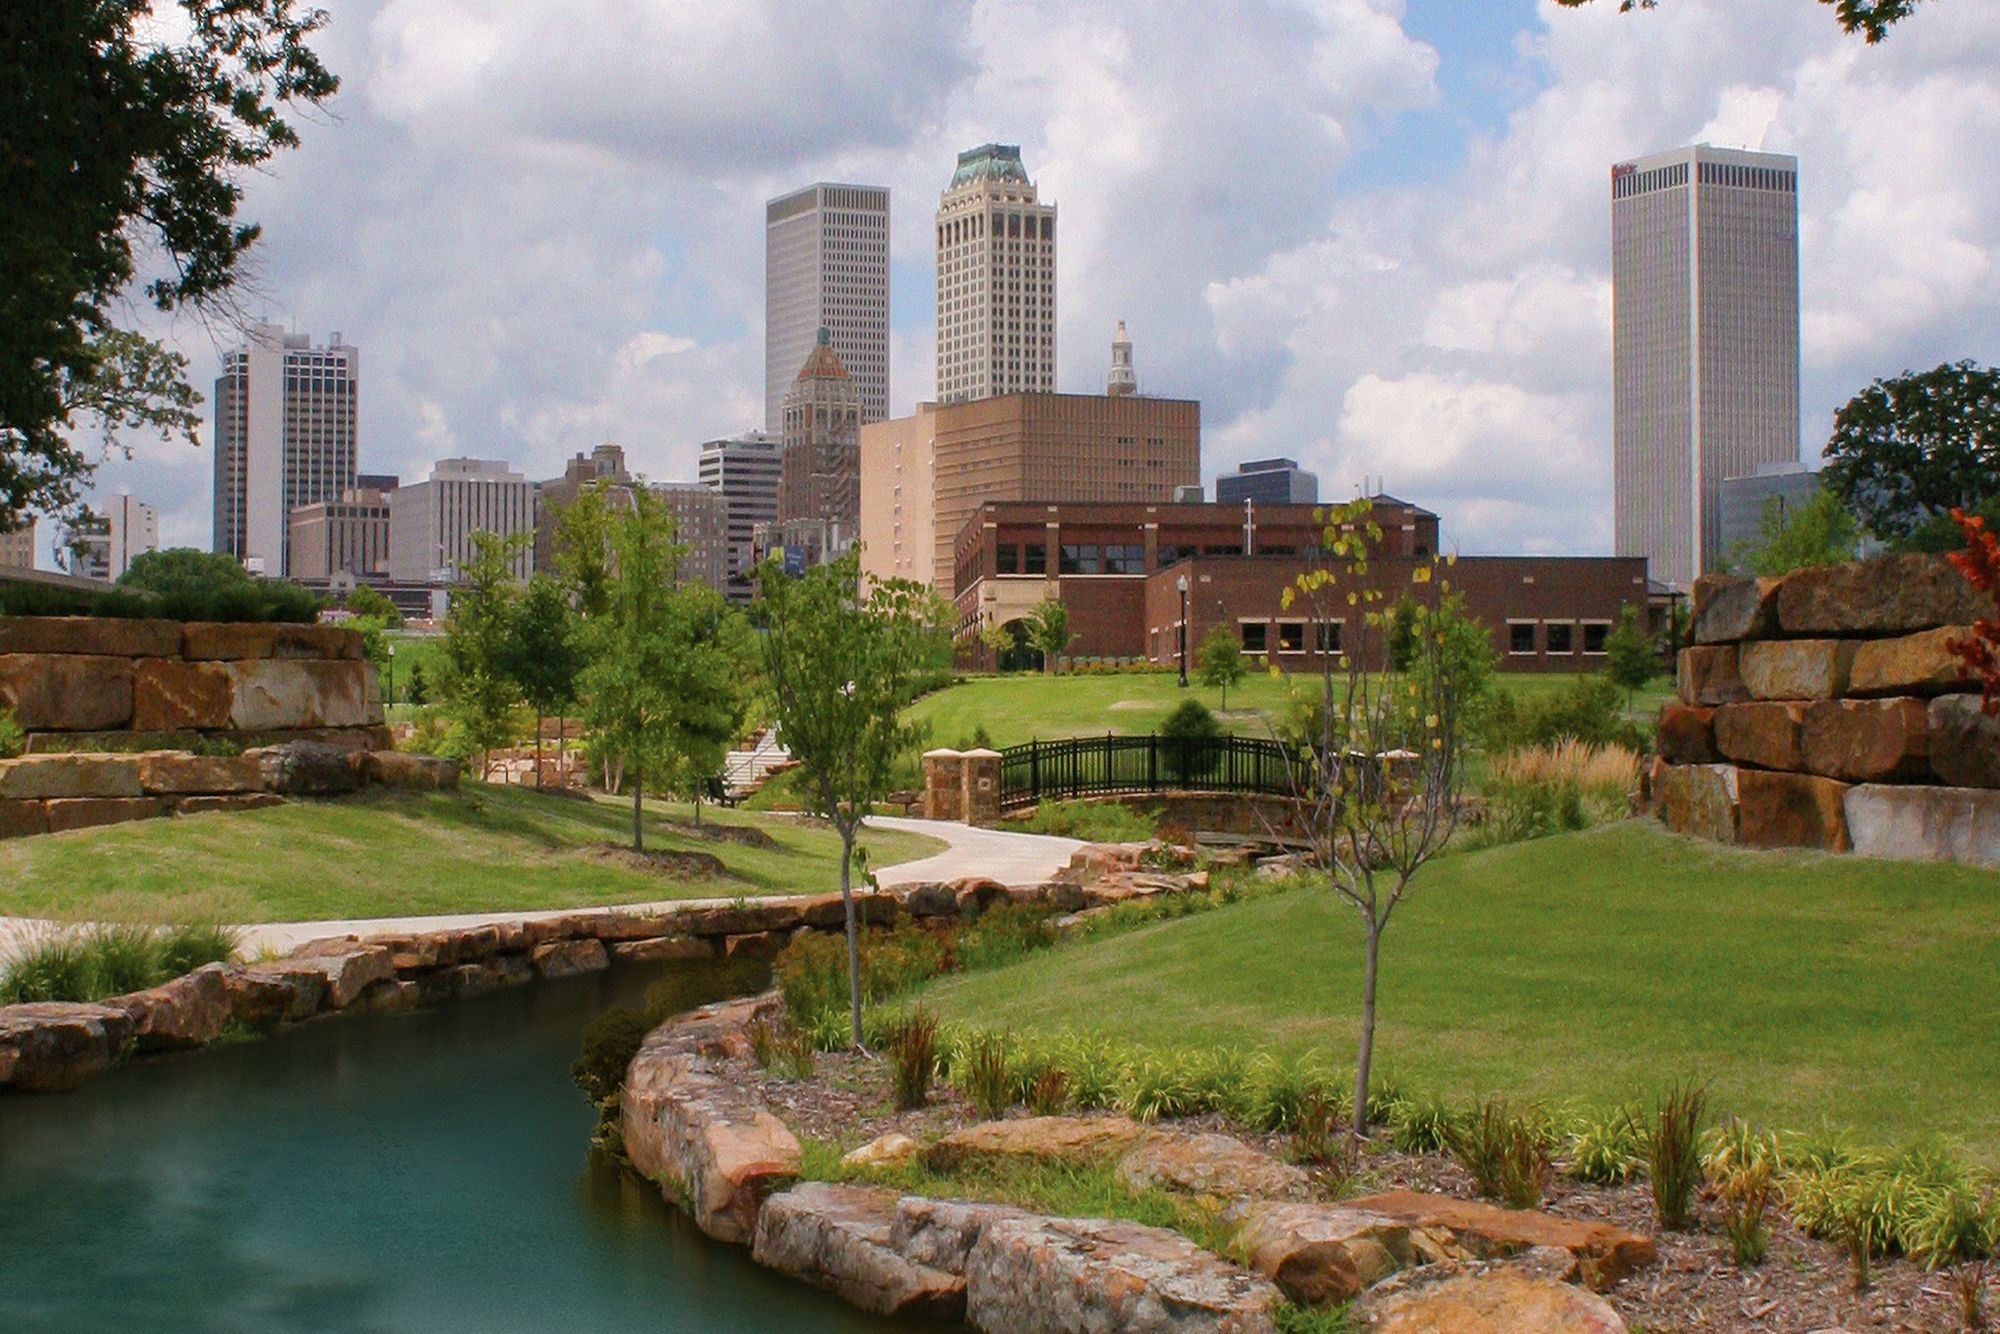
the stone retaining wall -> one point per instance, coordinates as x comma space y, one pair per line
1822, 710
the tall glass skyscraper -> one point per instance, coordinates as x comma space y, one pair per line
826, 265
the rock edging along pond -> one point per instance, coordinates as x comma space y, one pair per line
51, 1047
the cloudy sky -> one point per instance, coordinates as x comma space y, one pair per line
1373, 234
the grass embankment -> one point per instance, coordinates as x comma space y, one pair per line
1594, 968
394, 854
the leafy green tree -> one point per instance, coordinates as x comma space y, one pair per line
544, 657
1871, 18
1822, 531
583, 549
1219, 661
365, 601
1630, 658
841, 663
183, 570
1049, 632
1940, 533
419, 692
715, 698
1460, 651
1907, 450
479, 692
1402, 633
124, 127
999, 639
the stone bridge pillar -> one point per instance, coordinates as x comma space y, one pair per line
982, 788
944, 785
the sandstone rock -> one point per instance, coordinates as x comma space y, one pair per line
262, 998
763, 945
349, 740
661, 949
942, 1233
619, 924
66, 693
838, 1237
1796, 668
871, 908
1606, 1253
307, 768
389, 995
1319, 1254
393, 768
1687, 734
52, 1047
1964, 742
124, 739
1790, 810
890, 1150
1098, 858
168, 694
1766, 735
1502, 1301
1029, 1275
1891, 595
244, 801
231, 640
1218, 1166
1867, 740
346, 968
111, 636
692, 1121
1917, 664
437, 949
90, 812
20, 818
1699, 800
174, 773
310, 692
731, 921
927, 900
1116, 887
567, 958
187, 1012
1051, 896
467, 980
1728, 608
1930, 824
1709, 674
1041, 1139
975, 894
42, 776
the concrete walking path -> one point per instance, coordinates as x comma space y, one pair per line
1013, 859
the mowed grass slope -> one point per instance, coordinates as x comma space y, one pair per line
394, 854
1594, 968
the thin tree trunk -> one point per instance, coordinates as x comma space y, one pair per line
638, 827
697, 807
1366, 1056
853, 930
562, 763
538, 750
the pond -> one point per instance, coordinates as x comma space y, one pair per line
423, 1171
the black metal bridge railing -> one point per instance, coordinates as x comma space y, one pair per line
1109, 765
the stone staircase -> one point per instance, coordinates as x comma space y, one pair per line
745, 768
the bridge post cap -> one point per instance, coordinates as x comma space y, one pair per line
980, 753
944, 752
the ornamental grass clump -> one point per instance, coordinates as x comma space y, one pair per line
983, 1076
1742, 1163
53, 968
1507, 1154
1048, 1094
913, 1052
1673, 1154
1607, 1148
1423, 1125
1955, 1230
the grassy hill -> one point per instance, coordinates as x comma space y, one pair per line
1593, 967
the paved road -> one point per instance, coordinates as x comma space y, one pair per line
1014, 859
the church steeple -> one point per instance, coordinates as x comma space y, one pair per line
1121, 381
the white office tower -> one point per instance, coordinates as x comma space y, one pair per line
826, 265
996, 280
431, 523
745, 469
133, 528
285, 421
1705, 344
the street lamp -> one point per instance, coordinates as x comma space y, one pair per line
1182, 584
392, 673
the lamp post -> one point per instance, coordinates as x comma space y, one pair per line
392, 673
1182, 584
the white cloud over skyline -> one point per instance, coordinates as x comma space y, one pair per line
542, 222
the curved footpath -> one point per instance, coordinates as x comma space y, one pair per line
1012, 859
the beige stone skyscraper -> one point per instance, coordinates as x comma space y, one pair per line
996, 280
819, 479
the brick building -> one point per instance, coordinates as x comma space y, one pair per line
1118, 569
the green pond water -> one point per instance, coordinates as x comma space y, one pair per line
425, 1171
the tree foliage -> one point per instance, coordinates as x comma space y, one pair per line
544, 653
366, 601
1049, 632
1220, 661
1871, 18
1630, 658
184, 570
1979, 653
478, 692
1820, 532
1908, 450
113, 137
841, 663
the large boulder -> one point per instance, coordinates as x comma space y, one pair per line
395, 768
887, 1150
1796, 668
262, 998
1034, 1139
1765, 735
568, 958
51, 1047
1710, 674
267, 692
233, 640
840, 1238
1116, 887
1964, 742
927, 899
1867, 740
1319, 1254
346, 967
1501, 1301
1687, 734
1917, 664
1604, 1253
1055, 1275
69, 693
43, 776
1893, 595
171, 695
663, 949
942, 1233
176, 773
1786, 810
91, 812
1217, 1166
1698, 799
1926, 824
20, 818
110, 636
1728, 608
187, 1012
308, 768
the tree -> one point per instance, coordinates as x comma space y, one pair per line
1822, 531
1871, 18
714, 696
114, 134
479, 693
1909, 449
841, 663
419, 692
998, 638
1219, 661
543, 656
583, 549
1630, 658
1402, 633
183, 571
1048, 631
1379, 773
365, 601
1979, 655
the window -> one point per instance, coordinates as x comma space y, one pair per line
1254, 636
1559, 637
1009, 559
1329, 636
1080, 558
1034, 559
1594, 635
1291, 636
1129, 559
1520, 636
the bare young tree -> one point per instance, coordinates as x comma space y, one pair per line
1379, 772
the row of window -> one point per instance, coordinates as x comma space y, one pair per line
1557, 637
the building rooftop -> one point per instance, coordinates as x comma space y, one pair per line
823, 363
990, 162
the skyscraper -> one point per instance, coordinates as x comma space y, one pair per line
820, 474
996, 280
133, 528
431, 522
826, 266
285, 419
746, 470
1705, 343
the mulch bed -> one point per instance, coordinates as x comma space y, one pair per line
673, 865
1803, 1286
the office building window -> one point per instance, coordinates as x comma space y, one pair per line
1125, 560
1081, 558
1594, 635
1291, 636
1559, 637
1328, 636
1034, 559
1254, 636
1520, 636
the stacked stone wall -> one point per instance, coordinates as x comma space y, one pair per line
1824, 710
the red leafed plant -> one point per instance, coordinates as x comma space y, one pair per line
1979, 656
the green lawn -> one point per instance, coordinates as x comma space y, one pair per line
1593, 967
385, 854
1023, 707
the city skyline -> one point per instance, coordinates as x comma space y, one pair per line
1389, 256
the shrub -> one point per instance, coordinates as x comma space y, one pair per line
1956, 1229
1318, 1140
1048, 1094
13, 741
984, 1076
1003, 934
1506, 1154
1093, 822
53, 968
1422, 1125
610, 1041
1746, 1194
1673, 1153
186, 948
123, 958
1608, 1147
1587, 709
812, 974
702, 982
1277, 1093
913, 1058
